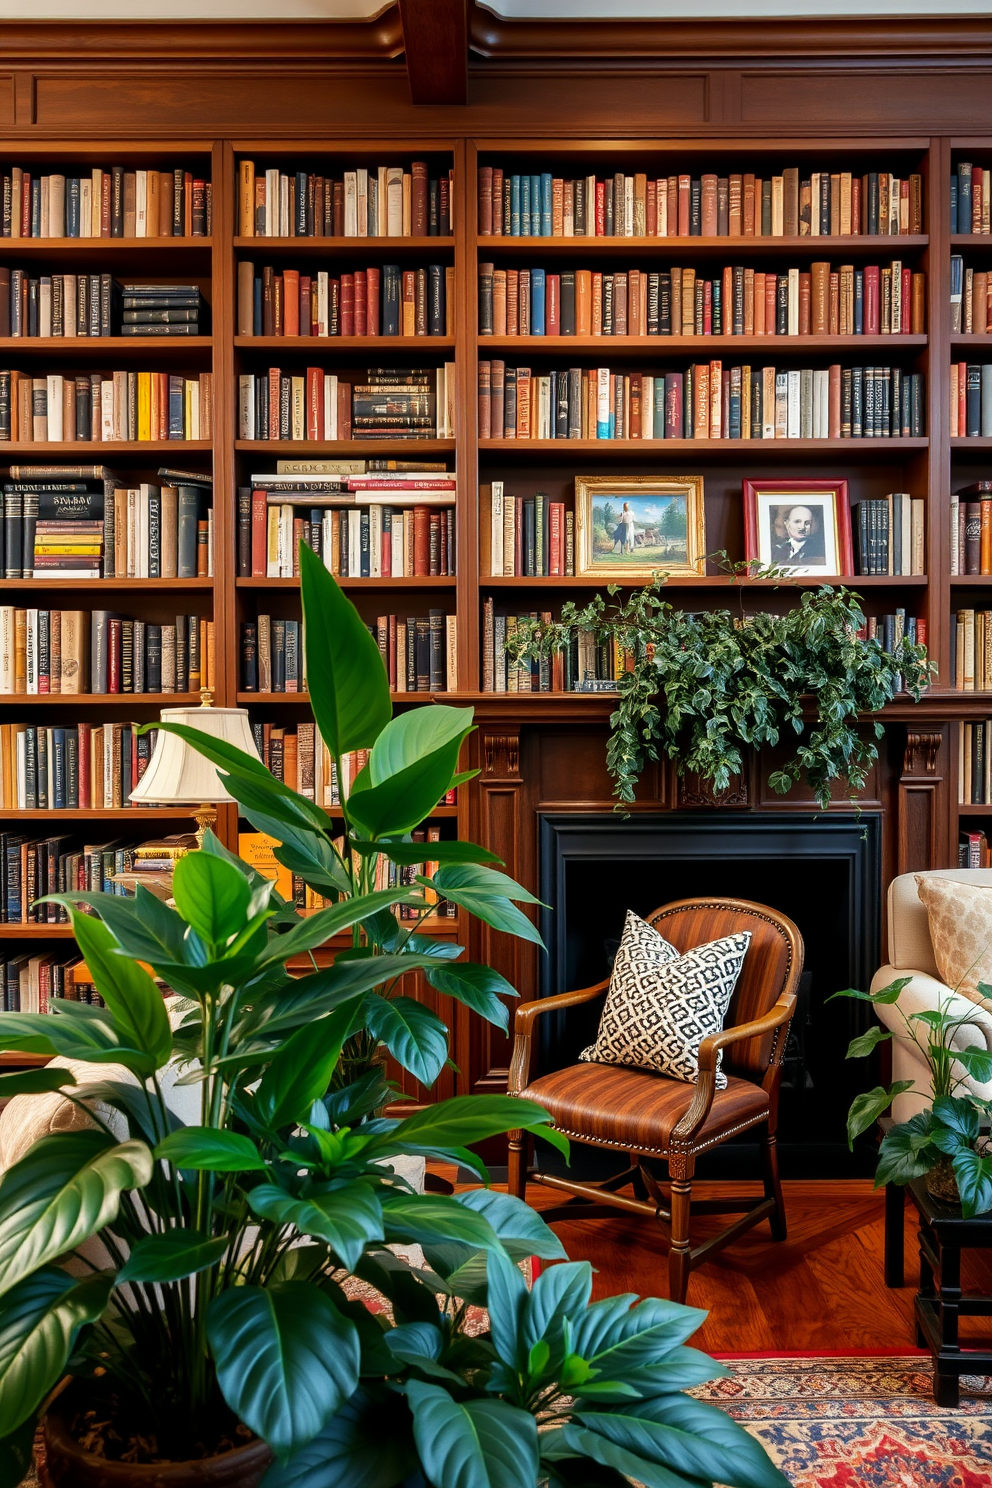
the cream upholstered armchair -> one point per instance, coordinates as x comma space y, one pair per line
911, 954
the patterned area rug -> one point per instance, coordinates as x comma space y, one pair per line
867, 1422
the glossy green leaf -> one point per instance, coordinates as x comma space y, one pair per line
467, 1119
212, 1149
402, 801
286, 1359
212, 896
413, 1034
438, 852
304, 999
424, 1219
959, 1115
133, 1000
480, 988
614, 1336
144, 927
302, 1067
906, 1151
866, 1042
520, 1229
479, 879
35, 1081
349, 689
475, 887
317, 928
64, 1190
40, 1319
866, 1109
412, 736
171, 1255
348, 1217
367, 1444
889, 994
974, 1176
977, 1062
689, 1437
478, 1444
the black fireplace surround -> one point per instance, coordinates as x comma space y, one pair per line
822, 870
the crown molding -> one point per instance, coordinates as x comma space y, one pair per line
208, 42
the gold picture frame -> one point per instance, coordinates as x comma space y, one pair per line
631, 527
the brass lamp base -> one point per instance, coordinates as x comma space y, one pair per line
205, 817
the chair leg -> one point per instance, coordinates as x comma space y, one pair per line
678, 1255
516, 1177
773, 1186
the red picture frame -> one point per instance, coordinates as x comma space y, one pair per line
815, 545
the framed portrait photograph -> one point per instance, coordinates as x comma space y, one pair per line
631, 527
803, 526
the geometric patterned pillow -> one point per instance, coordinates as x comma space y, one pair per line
660, 1005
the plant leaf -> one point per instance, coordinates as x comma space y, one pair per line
401, 801
974, 1175
906, 1151
520, 1229
132, 998
480, 988
413, 1034
349, 689
40, 1319
64, 1190
495, 909
212, 1149
478, 1444
466, 1119
410, 737
348, 1218
428, 1218
212, 896
693, 1439
171, 1255
317, 928
35, 1081
866, 1109
438, 852
302, 1067
867, 1041
367, 1444
286, 1359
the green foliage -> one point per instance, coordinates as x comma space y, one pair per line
703, 687
226, 1241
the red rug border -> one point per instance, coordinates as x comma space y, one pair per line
851, 1353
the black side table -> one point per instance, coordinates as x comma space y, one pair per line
940, 1301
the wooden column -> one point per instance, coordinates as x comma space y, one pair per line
922, 839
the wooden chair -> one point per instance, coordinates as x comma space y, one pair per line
651, 1116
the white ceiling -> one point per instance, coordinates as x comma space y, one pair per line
518, 10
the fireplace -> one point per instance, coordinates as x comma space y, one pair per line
823, 870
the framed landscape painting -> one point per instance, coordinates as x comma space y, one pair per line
631, 527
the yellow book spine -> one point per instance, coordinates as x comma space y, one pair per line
144, 405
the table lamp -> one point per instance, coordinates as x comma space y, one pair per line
178, 775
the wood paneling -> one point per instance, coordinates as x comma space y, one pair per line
882, 99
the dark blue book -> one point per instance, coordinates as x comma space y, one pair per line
72, 207
59, 774
537, 291
535, 206
391, 287
256, 308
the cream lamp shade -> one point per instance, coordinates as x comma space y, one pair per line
177, 774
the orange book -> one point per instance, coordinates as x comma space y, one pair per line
155, 417
701, 400
408, 324
513, 302
804, 304
747, 214
918, 314
771, 292
583, 302
291, 302
819, 298
727, 300
708, 206
833, 311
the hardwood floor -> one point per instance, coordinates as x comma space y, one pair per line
822, 1289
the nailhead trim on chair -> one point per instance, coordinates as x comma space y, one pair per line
658, 1151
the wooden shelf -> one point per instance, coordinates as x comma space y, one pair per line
970, 442
682, 248
20, 454
11, 1060
94, 347
347, 343
974, 810
106, 586
93, 247
970, 581
381, 247
21, 931
705, 581
304, 697
971, 240
108, 813
714, 448
102, 699
652, 345
424, 582
971, 338
366, 449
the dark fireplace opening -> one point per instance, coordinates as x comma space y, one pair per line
823, 871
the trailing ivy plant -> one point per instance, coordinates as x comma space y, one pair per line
702, 686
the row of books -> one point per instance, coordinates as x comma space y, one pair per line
709, 205
33, 867
707, 401
971, 399
971, 199
889, 535
97, 652
681, 302
975, 776
391, 403
971, 529
97, 528
369, 302
368, 542
971, 650
68, 306
971, 298
108, 202
385, 201
67, 767
29, 981
124, 406
973, 850
420, 653
524, 536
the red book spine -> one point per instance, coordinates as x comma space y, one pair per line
134, 760
872, 300
386, 545
554, 537
306, 306
497, 209
373, 280
651, 210
315, 403
347, 304
921, 633
833, 393
361, 304
421, 541
85, 766
907, 296
552, 305
114, 656
600, 209
259, 515
274, 381
708, 306
962, 397
673, 406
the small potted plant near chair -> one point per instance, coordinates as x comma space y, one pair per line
199, 1282
942, 1142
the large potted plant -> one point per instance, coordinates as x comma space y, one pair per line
701, 687
216, 1336
940, 1143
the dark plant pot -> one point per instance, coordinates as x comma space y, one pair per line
941, 1182
68, 1465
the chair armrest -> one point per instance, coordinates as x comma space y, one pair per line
779, 1017
523, 1028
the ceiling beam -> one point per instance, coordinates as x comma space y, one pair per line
435, 38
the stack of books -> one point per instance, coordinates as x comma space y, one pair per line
108, 202
124, 406
889, 535
75, 766
54, 865
823, 203
741, 302
153, 863
971, 400
383, 202
395, 403
973, 847
29, 981
55, 521
370, 302
160, 309
971, 529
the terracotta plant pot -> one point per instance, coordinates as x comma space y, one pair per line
68, 1465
